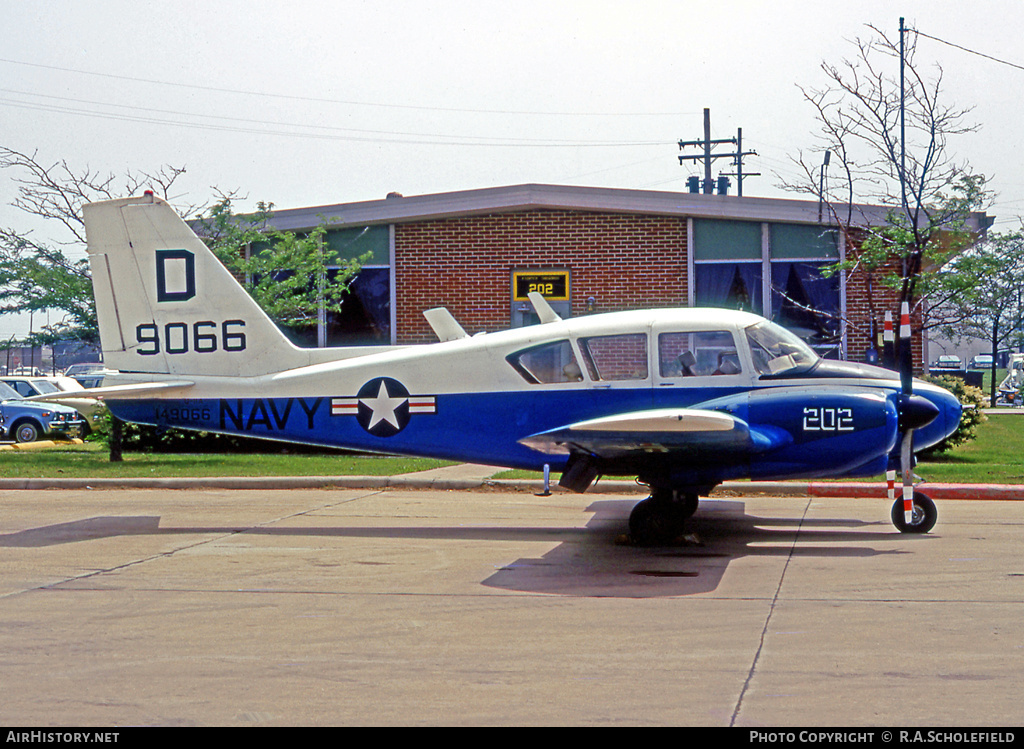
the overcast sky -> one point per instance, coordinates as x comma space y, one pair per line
308, 103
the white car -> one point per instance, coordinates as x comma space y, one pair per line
947, 361
90, 409
81, 372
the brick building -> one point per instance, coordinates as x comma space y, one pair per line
478, 252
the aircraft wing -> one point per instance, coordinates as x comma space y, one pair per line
134, 390
690, 431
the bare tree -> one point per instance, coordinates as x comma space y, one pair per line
35, 276
58, 191
891, 145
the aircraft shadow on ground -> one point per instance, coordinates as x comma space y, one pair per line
603, 564
593, 561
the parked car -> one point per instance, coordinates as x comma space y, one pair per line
947, 361
27, 421
82, 371
982, 361
90, 410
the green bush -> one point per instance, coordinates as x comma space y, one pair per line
973, 400
143, 438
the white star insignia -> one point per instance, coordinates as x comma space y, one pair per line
383, 407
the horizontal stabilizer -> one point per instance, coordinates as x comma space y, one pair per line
542, 308
115, 391
444, 324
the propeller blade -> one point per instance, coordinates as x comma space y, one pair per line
888, 343
906, 465
906, 357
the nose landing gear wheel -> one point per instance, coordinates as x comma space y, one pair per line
922, 519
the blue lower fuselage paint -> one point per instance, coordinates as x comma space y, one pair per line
817, 432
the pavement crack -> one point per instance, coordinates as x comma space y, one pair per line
767, 621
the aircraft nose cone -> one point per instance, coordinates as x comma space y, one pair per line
953, 411
946, 410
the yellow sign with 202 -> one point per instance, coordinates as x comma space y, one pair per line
552, 285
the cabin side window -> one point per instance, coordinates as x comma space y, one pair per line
550, 363
616, 357
698, 354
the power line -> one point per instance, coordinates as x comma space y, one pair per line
320, 100
970, 51
708, 157
156, 116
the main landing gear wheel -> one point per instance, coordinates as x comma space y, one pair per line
660, 519
922, 519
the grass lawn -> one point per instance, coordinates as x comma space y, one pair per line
995, 457
92, 461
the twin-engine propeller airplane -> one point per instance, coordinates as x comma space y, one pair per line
684, 399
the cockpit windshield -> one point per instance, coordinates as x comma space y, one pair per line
776, 351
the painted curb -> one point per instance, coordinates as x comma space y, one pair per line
990, 492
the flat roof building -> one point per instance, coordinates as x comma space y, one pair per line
479, 252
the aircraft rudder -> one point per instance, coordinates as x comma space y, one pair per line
166, 303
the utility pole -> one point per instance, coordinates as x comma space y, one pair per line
903, 123
706, 143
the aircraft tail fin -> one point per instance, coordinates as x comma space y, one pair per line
165, 303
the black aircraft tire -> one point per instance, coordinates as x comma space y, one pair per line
680, 504
655, 523
688, 505
925, 515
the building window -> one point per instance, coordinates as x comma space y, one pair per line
774, 270
728, 266
365, 316
730, 285
803, 298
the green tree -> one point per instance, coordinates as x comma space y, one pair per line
294, 277
36, 278
984, 296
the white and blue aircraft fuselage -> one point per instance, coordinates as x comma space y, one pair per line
682, 398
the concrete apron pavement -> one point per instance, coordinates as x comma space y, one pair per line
489, 607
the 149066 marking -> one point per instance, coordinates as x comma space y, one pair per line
203, 337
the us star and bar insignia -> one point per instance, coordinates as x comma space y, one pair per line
383, 406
